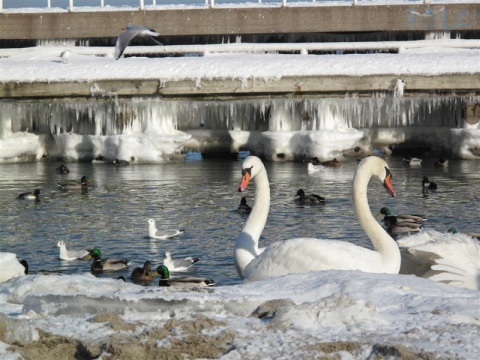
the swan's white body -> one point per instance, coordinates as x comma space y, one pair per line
449, 258
10, 267
309, 254
152, 231
70, 255
174, 265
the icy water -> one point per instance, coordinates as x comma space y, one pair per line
201, 196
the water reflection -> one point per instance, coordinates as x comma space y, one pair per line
201, 196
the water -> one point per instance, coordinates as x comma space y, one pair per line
201, 196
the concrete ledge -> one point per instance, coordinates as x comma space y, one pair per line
263, 19
234, 87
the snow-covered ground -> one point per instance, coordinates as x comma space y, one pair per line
344, 314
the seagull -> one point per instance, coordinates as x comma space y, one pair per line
152, 231
70, 255
65, 55
178, 264
130, 32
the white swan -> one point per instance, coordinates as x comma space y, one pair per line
70, 255
178, 264
307, 254
152, 231
10, 267
452, 259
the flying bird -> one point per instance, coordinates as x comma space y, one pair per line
130, 32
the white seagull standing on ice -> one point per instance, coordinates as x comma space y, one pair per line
152, 231
130, 32
65, 55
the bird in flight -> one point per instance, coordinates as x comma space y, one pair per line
131, 32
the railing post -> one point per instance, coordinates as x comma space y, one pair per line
49, 4
70, 5
212, 3
142, 4
102, 3
284, 3
1, 5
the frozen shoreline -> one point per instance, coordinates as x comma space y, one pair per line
297, 314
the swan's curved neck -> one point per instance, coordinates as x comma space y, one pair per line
381, 240
246, 245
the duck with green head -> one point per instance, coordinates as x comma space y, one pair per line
183, 282
401, 217
109, 264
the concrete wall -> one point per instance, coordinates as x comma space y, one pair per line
252, 20
298, 85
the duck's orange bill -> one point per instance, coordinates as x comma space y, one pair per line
387, 183
245, 180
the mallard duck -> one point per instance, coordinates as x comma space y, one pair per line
34, 195
178, 264
412, 161
401, 217
428, 185
109, 264
38, 272
184, 282
244, 208
143, 274
313, 161
120, 163
82, 184
153, 233
311, 199
441, 163
395, 227
471, 234
70, 255
62, 169
10, 267
331, 163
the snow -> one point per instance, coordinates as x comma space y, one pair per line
318, 307
45, 64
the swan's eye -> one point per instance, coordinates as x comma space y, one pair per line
247, 171
388, 173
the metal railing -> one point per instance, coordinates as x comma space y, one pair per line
208, 3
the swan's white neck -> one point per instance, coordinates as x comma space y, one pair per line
381, 240
246, 246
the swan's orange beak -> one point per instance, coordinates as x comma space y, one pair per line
387, 183
247, 175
